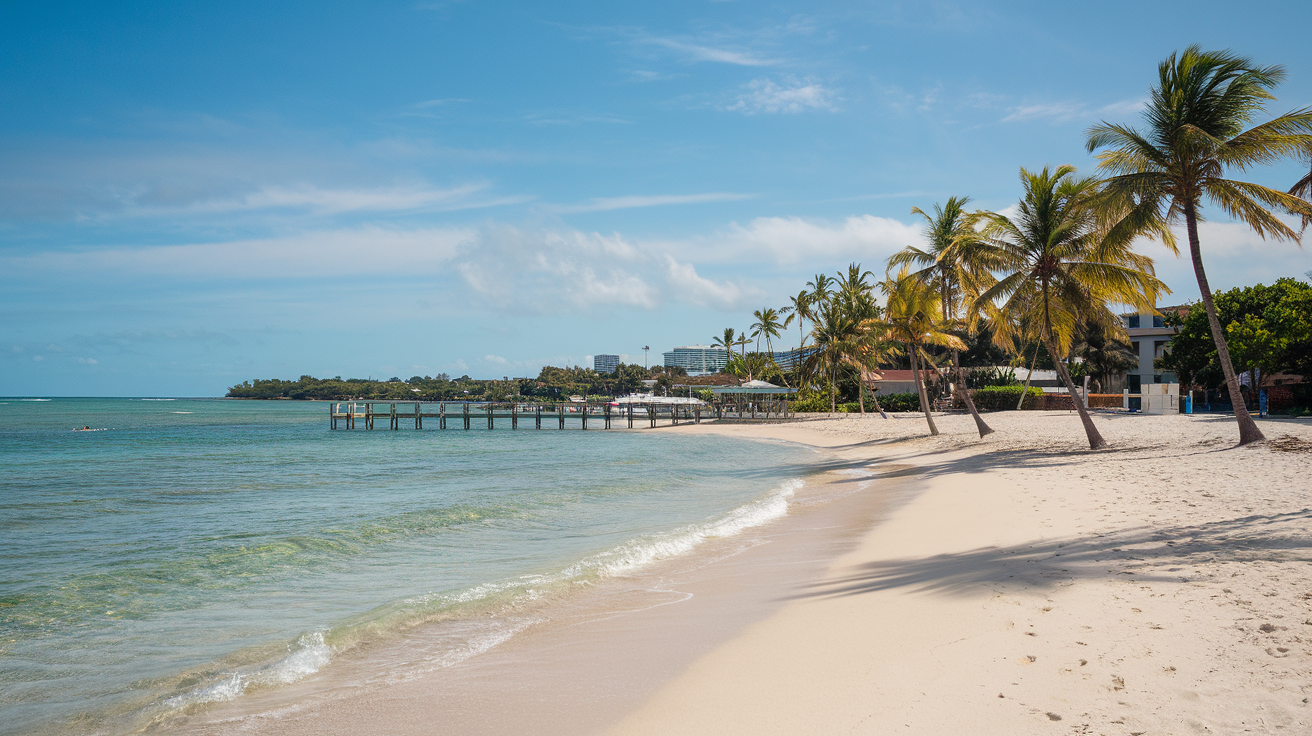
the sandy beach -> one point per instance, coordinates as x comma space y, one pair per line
1013, 584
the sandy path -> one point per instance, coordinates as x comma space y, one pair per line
1160, 587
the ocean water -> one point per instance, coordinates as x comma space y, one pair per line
196, 551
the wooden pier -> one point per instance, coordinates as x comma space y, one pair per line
466, 414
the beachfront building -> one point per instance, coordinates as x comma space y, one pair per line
1149, 338
697, 359
605, 363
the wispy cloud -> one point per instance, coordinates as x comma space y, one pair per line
322, 201
1064, 112
766, 96
365, 250
602, 204
699, 52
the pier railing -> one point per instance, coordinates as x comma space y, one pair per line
470, 414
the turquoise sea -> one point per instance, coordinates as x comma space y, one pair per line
196, 550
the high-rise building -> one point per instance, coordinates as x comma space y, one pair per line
605, 363
697, 359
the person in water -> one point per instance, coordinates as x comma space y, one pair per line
84, 429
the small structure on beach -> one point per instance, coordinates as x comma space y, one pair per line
753, 400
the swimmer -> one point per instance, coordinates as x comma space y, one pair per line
83, 429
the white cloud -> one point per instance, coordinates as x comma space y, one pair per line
792, 240
619, 203
88, 361
544, 270
765, 96
698, 52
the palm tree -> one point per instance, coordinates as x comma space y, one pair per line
957, 265
767, 325
913, 317
801, 309
835, 332
1196, 118
819, 286
742, 343
1063, 261
727, 342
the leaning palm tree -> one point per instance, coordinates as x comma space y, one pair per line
1196, 118
1303, 189
865, 353
913, 317
957, 265
1063, 262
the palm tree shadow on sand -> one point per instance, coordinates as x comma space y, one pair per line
1150, 555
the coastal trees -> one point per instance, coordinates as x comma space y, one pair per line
1196, 118
1062, 263
1269, 329
835, 332
957, 266
913, 317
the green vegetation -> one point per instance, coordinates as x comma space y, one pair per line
1003, 398
552, 384
1268, 328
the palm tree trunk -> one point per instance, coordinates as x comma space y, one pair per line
920, 390
860, 393
874, 398
1026, 390
965, 395
1248, 431
1096, 442
833, 390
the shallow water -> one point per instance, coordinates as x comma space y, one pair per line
196, 550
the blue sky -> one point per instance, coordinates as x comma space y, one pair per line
192, 195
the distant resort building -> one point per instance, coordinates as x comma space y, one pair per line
1149, 337
605, 363
697, 359
790, 359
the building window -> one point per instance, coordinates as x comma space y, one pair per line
1158, 321
1132, 321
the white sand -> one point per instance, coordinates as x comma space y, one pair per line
1027, 585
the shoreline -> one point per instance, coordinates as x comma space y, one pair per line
935, 602
593, 654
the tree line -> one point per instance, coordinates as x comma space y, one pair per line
1046, 278
551, 385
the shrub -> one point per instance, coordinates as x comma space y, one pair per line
900, 402
811, 402
1004, 398
991, 376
